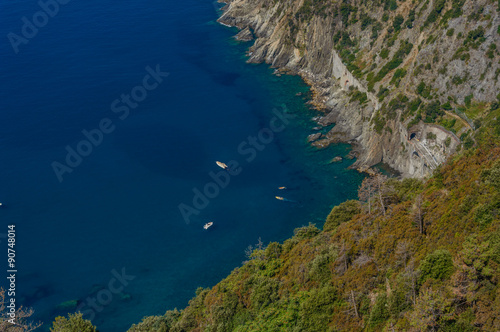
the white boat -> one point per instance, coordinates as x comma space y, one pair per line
221, 165
208, 225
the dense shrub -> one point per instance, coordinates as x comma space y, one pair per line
157, 323
397, 59
437, 265
492, 175
306, 232
431, 136
411, 19
73, 323
436, 11
316, 309
264, 292
398, 21
424, 90
379, 312
341, 213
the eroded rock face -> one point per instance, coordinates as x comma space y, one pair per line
306, 47
244, 35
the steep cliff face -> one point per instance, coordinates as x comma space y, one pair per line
401, 80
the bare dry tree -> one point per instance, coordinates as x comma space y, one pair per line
21, 320
374, 186
343, 257
353, 302
365, 192
403, 252
381, 189
353, 309
411, 275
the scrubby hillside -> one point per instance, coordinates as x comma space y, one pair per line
413, 84
407, 82
410, 256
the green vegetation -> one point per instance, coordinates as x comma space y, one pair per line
398, 75
158, 323
432, 111
398, 21
491, 51
475, 38
408, 255
341, 214
73, 323
404, 49
310, 8
447, 142
438, 265
391, 5
345, 12
436, 11
411, 19
424, 90
378, 122
384, 53
359, 96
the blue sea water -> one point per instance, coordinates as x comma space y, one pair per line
119, 208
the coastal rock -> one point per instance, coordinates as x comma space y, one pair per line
314, 137
367, 170
244, 35
322, 143
337, 159
307, 47
352, 155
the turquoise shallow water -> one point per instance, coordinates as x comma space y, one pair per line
118, 209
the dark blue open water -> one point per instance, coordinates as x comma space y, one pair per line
118, 209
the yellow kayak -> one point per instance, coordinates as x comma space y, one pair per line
280, 198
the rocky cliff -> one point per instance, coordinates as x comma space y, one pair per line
403, 81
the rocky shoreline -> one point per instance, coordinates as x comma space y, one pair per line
332, 85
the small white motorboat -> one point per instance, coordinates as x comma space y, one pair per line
208, 225
221, 165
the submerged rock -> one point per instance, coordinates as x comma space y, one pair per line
68, 305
